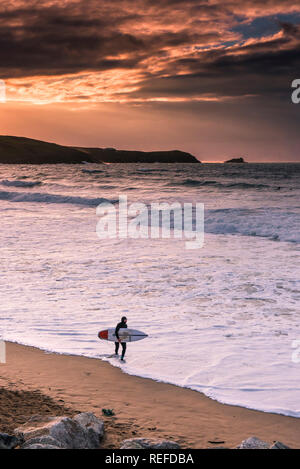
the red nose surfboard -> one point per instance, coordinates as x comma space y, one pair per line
126, 335
103, 335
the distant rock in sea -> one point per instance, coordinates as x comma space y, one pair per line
21, 150
236, 160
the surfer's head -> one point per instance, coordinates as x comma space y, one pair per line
124, 319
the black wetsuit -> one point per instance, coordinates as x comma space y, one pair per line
121, 325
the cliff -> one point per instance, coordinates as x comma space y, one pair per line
21, 150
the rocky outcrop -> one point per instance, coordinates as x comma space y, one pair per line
235, 160
253, 443
279, 445
42, 442
9, 442
21, 150
93, 426
144, 443
84, 431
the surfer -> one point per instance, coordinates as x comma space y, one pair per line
121, 325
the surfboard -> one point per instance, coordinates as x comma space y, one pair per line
126, 335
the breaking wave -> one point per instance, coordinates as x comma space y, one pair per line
234, 185
273, 223
52, 198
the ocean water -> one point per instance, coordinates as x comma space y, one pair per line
223, 319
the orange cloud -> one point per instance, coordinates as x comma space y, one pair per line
169, 72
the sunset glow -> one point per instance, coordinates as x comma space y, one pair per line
210, 59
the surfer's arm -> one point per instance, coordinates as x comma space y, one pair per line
117, 332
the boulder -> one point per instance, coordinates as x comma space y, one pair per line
145, 443
93, 426
9, 442
279, 445
84, 431
253, 443
42, 441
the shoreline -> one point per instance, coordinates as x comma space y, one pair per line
143, 407
100, 358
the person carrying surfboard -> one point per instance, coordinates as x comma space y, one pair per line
121, 325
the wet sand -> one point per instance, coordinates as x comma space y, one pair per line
36, 382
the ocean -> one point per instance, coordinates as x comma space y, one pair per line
223, 320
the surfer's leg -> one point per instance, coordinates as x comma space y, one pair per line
117, 347
123, 350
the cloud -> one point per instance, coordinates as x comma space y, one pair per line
144, 50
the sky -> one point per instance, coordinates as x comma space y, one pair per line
209, 77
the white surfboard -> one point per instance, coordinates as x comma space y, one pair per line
126, 335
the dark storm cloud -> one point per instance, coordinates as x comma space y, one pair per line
48, 41
260, 68
51, 40
179, 48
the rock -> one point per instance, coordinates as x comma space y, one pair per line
84, 431
40, 446
279, 445
236, 160
94, 427
9, 442
42, 441
253, 443
144, 443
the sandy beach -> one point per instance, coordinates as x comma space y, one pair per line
48, 383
